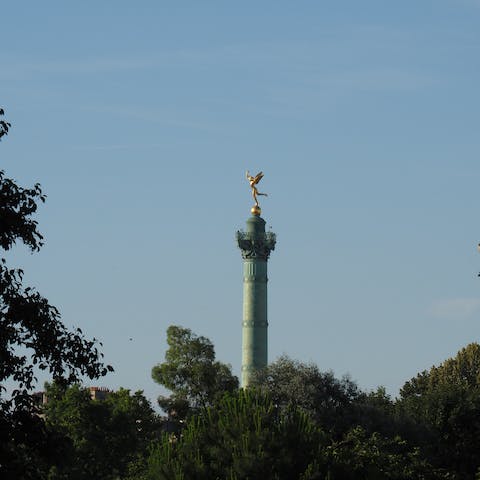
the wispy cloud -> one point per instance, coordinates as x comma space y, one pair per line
455, 308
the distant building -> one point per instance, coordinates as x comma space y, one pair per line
99, 393
40, 398
96, 393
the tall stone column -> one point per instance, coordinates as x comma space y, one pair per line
255, 245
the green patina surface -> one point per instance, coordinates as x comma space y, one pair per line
255, 245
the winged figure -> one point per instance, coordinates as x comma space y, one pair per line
253, 182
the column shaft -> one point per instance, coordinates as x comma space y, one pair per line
255, 245
255, 324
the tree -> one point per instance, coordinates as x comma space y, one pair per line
244, 436
101, 437
445, 401
32, 335
295, 422
375, 411
191, 372
4, 125
328, 400
359, 456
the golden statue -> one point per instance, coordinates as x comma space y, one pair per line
253, 182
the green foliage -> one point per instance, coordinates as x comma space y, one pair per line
361, 456
336, 405
462, 371
446, 401
32, 337
101, 437
328, 400
191, 373
376, 412
243, 436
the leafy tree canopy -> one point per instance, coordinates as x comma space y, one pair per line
463, 371
373, 457
191, 372
101, 437
243, 436
445, 400
327, 399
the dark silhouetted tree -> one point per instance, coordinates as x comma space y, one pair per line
101, 437
32, 337
445, 401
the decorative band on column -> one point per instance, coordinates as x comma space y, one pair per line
253, 324
255, 279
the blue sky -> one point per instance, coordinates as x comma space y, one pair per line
139, 120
